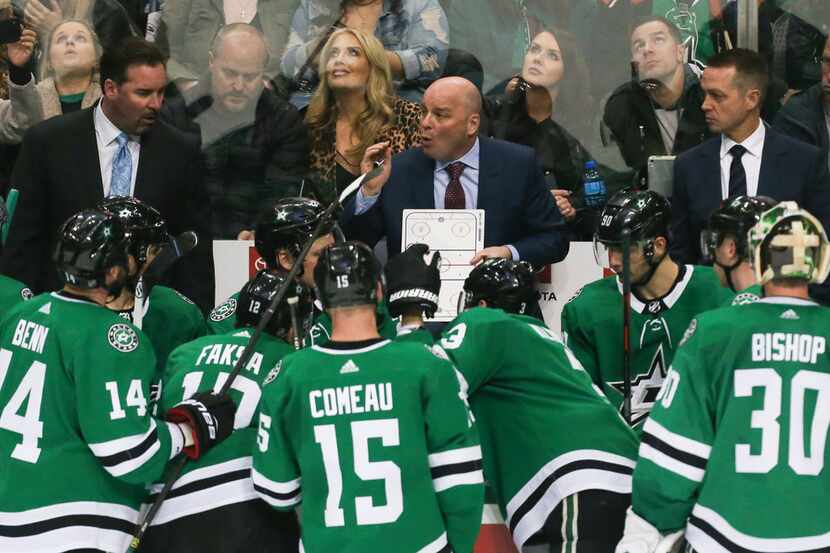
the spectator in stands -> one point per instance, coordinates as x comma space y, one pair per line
189, 26
539, 109
746, 159
499, 32
806, 116
117, 148
109, 19
354, 107
658, 111
255, 144
414, 34
71, 78
467, 172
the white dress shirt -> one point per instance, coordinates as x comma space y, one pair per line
239, 11
105, 134
751, 160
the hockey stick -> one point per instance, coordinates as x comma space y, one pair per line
626, 297
295, 323
181, 460
177, 248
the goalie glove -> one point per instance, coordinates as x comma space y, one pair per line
641, 537
410, 281
210, 418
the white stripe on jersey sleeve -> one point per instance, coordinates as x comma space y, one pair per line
436, 546
453, 456
278, 494
751, 543
451, 480
677, 441
41, 514
671, 464
120, 445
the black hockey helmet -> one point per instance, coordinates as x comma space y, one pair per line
287, 225
143, 224
90, 243
256, 296
502, 283
644, 213
733, 218
347, 274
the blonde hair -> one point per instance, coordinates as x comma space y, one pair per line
46, 67
378, 116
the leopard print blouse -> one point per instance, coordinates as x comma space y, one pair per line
402, 136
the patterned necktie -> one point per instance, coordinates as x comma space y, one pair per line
454, 197
737, 175
122, 169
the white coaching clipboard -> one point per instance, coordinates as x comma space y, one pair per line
458, 234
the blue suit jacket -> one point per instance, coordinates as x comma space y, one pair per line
790, 170
511, 189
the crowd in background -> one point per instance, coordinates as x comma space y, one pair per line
285, 96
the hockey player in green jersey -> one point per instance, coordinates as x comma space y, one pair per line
77, 441
217, 491
412, 288
557, 455
168, 318
373, 436
734, 453
724, 244
665, 296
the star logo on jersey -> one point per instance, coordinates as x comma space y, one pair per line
745, 298
223, 311
26, 294
349, 367
122, 337
273, 374
644, 388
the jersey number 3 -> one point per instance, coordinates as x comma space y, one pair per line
366, 511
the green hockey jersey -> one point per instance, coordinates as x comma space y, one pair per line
77, 443
222, 476
750, 294
736, 446
378, 443
592, 326
546, 431
12, 292
171, 320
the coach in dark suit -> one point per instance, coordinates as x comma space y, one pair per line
116, 148
748, 158
455, 169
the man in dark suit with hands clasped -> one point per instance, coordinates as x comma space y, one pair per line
456, 169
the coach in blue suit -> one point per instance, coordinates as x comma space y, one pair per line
748, 158
455, 169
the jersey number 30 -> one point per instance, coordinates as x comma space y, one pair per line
366, 511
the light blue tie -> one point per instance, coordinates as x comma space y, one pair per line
122, 169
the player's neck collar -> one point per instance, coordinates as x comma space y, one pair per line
657, 305
786, 300
75, 298
348, 348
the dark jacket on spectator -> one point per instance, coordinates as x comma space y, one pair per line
562, 156
629, 114
803, 118
250, 166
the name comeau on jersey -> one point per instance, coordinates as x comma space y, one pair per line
350, 400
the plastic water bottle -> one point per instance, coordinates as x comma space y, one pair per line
594, 187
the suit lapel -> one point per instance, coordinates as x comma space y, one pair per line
768, 178
92, 163
711, 177
422, 182
489, 176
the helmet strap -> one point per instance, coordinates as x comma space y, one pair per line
727, 270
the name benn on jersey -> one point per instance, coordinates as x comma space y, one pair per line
29, 335
785, 346
228, 354
351, 400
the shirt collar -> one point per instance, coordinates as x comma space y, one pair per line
754, 143
470, 159
106, 128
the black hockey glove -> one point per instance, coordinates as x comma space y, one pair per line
410, 281
209, 416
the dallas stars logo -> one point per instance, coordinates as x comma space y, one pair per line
645, 387
223, 311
